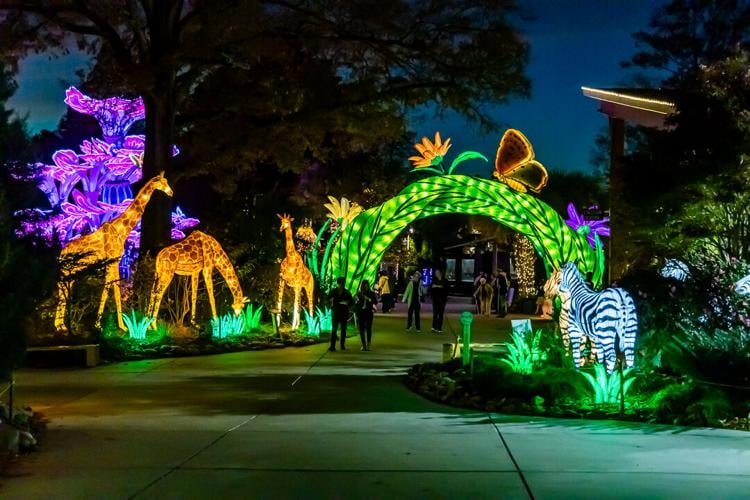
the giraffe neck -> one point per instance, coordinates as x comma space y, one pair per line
290, 250
130, 217
226, 269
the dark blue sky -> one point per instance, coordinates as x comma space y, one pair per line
573, 43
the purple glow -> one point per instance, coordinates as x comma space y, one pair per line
85, 189
114, 114
592, 227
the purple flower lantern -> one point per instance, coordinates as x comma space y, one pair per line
590, 228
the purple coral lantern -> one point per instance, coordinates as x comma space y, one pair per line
94, 185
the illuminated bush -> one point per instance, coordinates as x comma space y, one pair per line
313, 324
607, 387
523, 353
136, 327
228, 325
324, 316
251, 317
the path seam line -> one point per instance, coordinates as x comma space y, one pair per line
512, 458
179, 466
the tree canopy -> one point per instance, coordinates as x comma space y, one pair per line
279, 82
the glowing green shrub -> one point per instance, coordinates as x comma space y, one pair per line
325, 318
137, 327
524, 353
251, 315
313, 324
228, 325
607, 387
363, 242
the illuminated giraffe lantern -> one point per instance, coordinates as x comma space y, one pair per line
198, 253
294, 273
106, 244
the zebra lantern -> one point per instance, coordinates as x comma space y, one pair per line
742, 287
603, 316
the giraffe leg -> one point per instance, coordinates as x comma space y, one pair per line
309, 290
295, 315
62, 304
194, 297
161, 283
118, 296
210, 289
102, 303
280, 299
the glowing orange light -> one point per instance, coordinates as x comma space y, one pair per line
106, 244
294, 273
515, 164
196, 254
431, 153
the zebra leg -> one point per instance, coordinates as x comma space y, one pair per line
610, 358
575, 347
597, 352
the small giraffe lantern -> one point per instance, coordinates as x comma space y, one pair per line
106, 244
294, 273
198, 253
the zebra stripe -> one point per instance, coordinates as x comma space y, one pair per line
604, 317
552, 290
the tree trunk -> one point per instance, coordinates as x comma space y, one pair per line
160, 108
155, 225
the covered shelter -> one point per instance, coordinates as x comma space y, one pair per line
647, 108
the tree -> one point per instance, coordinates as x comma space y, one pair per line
685, 35
26, 271
671, 175
378, 56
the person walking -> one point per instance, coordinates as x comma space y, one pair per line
384, 287
483, 297
439, 293
502, 293
413, 297
341, 300
365, 302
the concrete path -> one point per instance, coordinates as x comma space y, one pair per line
304, 423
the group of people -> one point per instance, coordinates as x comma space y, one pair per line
415, 292
491, 290
364, 307
365, 302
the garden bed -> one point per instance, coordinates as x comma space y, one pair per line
551, 392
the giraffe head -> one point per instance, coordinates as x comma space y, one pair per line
160, 182
552, 286
238, 306
286, 221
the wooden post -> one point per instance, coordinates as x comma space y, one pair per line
616, 257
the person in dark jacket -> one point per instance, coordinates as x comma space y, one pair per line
439, 292
365, 301
413, 297
341, 300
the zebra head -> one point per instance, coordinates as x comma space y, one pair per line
552, 286
569, 276
742, 287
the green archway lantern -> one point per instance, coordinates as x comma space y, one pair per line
363, 243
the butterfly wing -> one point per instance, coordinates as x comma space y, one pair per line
514, 150
531, 174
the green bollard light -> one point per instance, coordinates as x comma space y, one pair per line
466, 319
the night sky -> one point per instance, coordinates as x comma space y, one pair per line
573, 43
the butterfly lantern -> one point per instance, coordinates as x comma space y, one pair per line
515, 164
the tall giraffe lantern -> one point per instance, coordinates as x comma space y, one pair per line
294, 273
107, 243
198, 253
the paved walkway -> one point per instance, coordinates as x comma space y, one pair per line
304, 423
